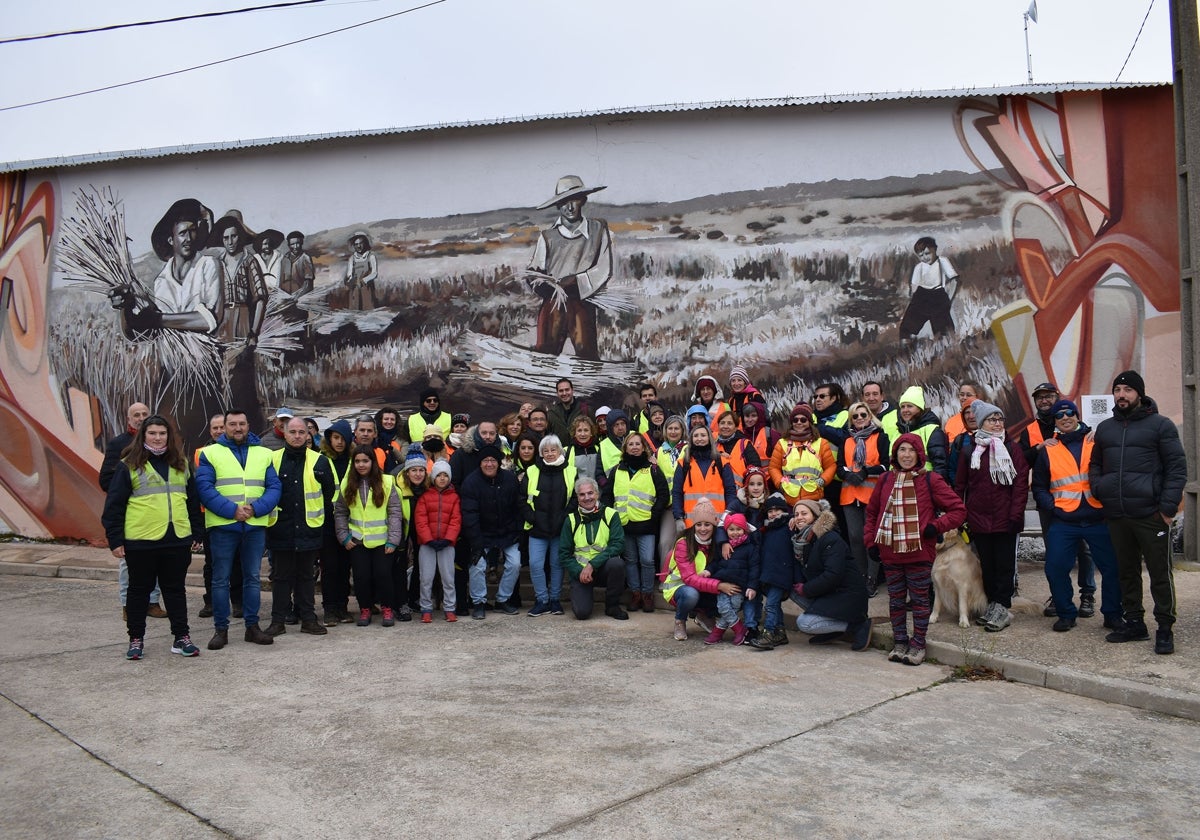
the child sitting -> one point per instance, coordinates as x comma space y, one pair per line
741, 568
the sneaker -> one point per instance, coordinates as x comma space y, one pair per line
364, 617
680, 634
405, 613
1000, 620
332, 619
1087, 606
427, 618
1063, 625
1048, 609
556, 608
899, 651
452, 616
346, 617
1114, 622
779, 637
1164, 641
389, 617
184, 647
479, 612
507, 608
987, 614
704, 621
1133, 631
135, 649
539, 608
915, 656
714, 636
206, 611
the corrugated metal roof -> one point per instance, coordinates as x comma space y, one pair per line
781, 102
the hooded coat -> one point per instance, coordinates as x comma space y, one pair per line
829, 575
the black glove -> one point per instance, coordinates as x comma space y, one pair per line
930, 532
854, 479
438, 545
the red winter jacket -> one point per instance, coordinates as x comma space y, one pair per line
437, 515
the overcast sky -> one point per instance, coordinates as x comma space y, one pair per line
464, 60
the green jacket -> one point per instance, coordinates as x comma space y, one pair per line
590, 539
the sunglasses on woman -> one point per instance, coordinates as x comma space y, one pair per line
1066, 412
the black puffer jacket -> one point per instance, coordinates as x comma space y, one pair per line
831, 578
1138, 467
491, 510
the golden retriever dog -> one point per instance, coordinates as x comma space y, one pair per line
957, 580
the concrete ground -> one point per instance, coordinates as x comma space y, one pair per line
520, 727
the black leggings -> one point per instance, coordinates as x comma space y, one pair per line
372, 576
168, 565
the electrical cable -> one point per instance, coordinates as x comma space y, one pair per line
218, 61
22, 38
1135, 41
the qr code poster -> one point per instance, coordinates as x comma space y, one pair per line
1095, 407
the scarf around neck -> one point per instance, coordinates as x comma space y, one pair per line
1000, 465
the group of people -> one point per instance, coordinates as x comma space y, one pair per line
713, 510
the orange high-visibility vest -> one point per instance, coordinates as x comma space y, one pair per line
1035, 433
697, 487
1068, 480
861, 493
736, 460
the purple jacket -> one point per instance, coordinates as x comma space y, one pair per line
993, 508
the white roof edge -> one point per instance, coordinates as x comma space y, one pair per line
843, 98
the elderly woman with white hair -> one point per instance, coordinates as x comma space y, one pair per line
547, 486
590, 551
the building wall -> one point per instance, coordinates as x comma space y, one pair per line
780, 239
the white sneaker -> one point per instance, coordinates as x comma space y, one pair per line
999, 621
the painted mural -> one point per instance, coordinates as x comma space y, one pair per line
1046, 249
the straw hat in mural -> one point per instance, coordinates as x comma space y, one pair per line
183, 210
568, 186
357, 234
271, 236
232, 218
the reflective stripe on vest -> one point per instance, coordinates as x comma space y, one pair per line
801, 469
239, 485
155, 503
583, 548
368, 523
674, 580
314, 499
533, 474
697, 487
862, 493
633, 497
1069, 480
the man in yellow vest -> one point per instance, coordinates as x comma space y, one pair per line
239, 488
1064, 497
295, 533
590, 551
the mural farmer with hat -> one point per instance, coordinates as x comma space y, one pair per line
571, 263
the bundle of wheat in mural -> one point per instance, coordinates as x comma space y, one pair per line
94, 255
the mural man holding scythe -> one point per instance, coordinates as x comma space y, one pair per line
571, 263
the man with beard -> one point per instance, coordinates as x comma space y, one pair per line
429, 414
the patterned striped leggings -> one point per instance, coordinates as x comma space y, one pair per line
908, 585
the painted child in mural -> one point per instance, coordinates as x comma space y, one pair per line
571, 263
362, 271
934, 282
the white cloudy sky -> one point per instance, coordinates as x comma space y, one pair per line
463, 60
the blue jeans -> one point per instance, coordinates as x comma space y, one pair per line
728, 607
508, 580
639, 562
1061, 541
123, 585
540, 551
774, 616
815, 625
686, 598
248, 544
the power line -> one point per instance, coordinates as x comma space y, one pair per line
1135, 41
21, 38
218, 61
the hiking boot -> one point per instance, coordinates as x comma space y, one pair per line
389, 617
313, 628
648, 602
635, 601
205, 611
760, 641
156, 611
779, 636
1048, 609
616, 612
291, 618
824, 638
1164, 641
899, 651
1087, 606
255, 635
184, 647
275, 628
1133, 631
135, 649
1063, 625
364, 617
219, 640
860, 634
739, 633
405, 613
479, 612
915, 656
999, 621
332, 619
715, 636
680, 634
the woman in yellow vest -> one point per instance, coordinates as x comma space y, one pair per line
802, 463
667, 456
369, 519
862, 459
152, 519
638, 492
